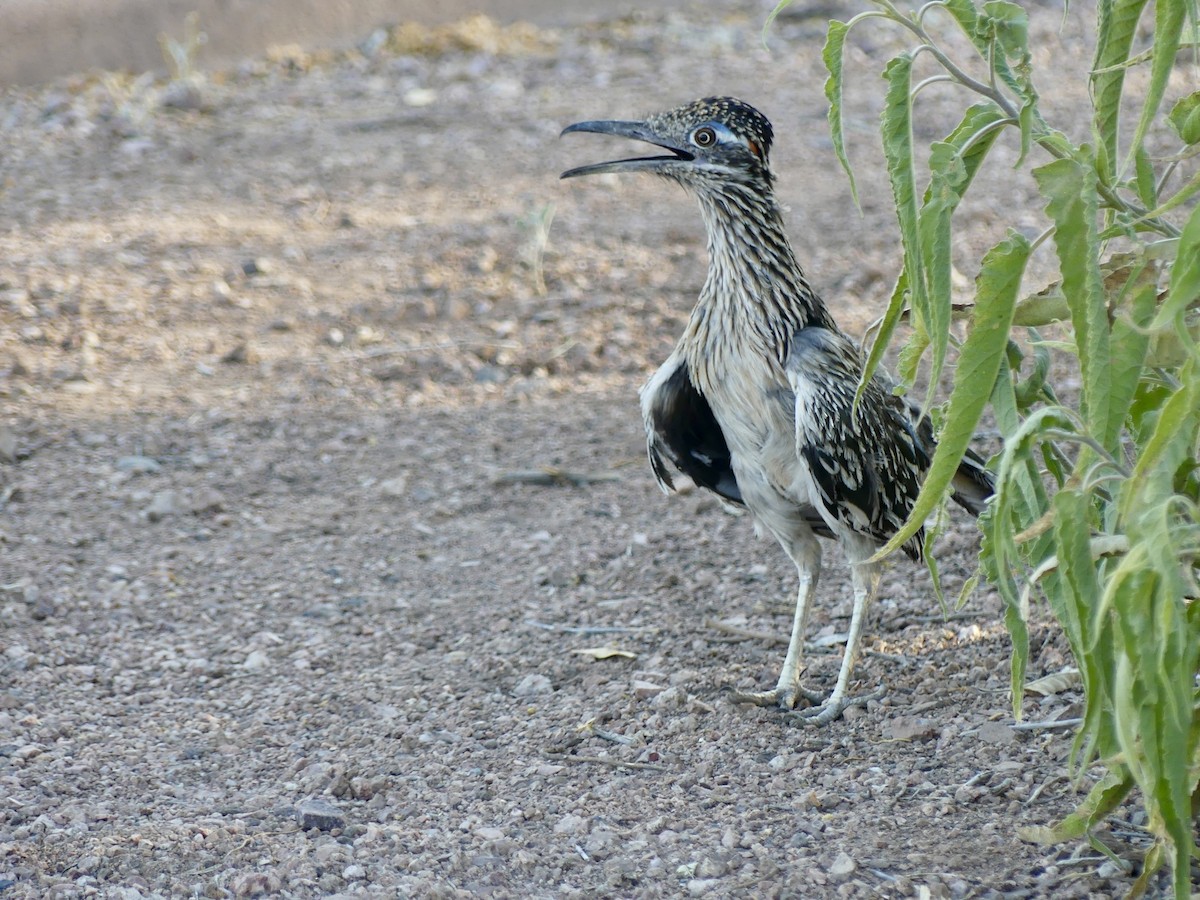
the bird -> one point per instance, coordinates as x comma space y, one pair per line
757, 401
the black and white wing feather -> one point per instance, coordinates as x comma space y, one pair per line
867, 464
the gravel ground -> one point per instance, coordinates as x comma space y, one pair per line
329, 560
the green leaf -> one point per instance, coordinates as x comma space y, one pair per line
1129, 343
1170, 444
1168, 26
967, 17
1070, 189
1115, 32
1184, 289
1185, 118
1010, 24
887, 327
982, 355
774, 14
896, 130
1104, 797
947, 170
910, 355
835, 45
1147, 187
973, 138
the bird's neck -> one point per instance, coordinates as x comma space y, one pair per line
755, 291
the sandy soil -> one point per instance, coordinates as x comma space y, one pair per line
295, 598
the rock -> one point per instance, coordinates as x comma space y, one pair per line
139, 465
394, 487
600, 842
165, 504
256, 884
843, 866
319, 814
996, 733
238, 355
207, 500
570, 824
711, 867
906, 728
256, 661
419, 97
259, 266
643, 690
532, 685
183, 94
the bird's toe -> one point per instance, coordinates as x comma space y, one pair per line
832, 708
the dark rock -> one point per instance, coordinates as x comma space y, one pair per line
320, 815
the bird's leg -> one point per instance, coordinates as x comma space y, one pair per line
806, 554
866, 581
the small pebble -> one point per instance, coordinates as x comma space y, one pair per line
138, 465
256, 661
163, 505
532, 685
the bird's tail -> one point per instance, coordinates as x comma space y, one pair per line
973, 485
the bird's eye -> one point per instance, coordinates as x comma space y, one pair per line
704, 137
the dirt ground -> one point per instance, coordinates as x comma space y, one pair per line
323, 499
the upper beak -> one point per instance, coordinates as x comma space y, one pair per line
638, 131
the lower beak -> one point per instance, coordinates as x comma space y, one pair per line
637, 131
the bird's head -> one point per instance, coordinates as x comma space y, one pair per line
710, 143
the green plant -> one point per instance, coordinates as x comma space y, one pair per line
1098, 491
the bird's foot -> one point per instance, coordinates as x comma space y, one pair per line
832, 707
784, 697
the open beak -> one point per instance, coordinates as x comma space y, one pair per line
638, 131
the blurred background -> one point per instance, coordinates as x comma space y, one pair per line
45, 39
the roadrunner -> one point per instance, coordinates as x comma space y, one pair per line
756, 402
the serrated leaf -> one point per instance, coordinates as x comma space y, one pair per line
1115, 32
831, 54
1070, 189
978, 365
934, 221
1169, 16
896, 130
1129, 342
969, 142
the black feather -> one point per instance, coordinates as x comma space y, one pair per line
684, 427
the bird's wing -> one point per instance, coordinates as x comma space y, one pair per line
866, 464
681, 427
